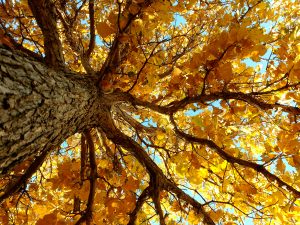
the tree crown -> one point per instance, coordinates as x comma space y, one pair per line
203, 112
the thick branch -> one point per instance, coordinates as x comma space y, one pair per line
142, 198
113, 59
87, 216
15, 184
83, 157
92, 29
18, 46
253, 101
45, 15
177, 105
257, 167
116, 136
75, 41
155, 192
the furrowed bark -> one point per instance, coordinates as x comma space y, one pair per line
40, 107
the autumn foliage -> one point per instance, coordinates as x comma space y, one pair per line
206, 130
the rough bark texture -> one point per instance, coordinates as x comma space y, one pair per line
39, 107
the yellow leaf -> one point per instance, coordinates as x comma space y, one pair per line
196, 176
41, 209
195, 162
123, 22
160, 135
129, 202
196, 61
48, 219
181, 169
134, 9
131, 184
137, 25
296, 160
176, 71
175, 206
247, 189
280, 165
194, 218
216, 215
104, 29
104, 164
225, 72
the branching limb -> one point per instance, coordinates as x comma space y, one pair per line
17, 45
45, 15
113, 58
15, 185
177, 105
231, 159
92, 29
116, 136
83, 157
155, 193
249, 98
75, 42
135, 124
88, 213
141, 200
117, 165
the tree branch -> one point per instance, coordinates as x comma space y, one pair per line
16, 184
45, 15
113, 60
116, 136
231, 159
75, 42
92, 29
18, 46
139, 203
83, 157
177, 105
155, 193
88, 214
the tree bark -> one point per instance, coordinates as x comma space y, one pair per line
41, 107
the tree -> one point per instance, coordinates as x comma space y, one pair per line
149, 111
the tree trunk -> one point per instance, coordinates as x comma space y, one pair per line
40, 107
